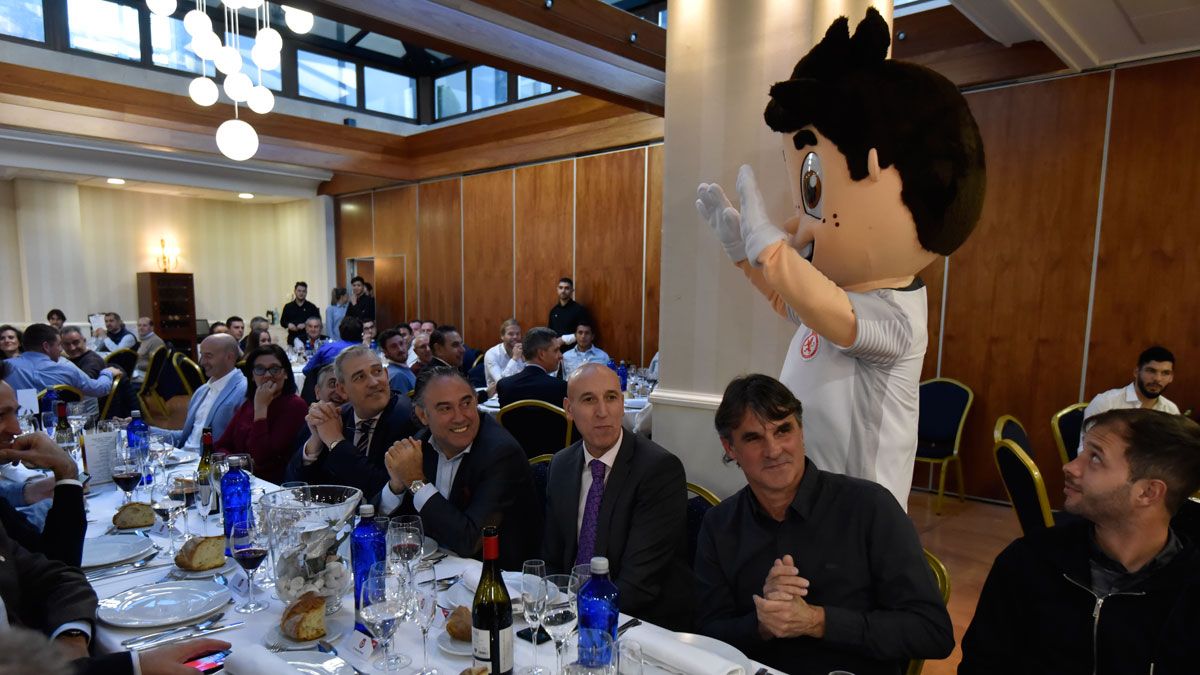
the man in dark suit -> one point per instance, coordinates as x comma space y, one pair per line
346, 446
463, 473
542, 358
623, 497
447, 347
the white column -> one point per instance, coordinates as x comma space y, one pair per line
52, 254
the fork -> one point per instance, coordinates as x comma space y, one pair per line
118, 570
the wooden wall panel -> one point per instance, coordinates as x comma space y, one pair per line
544, 239
487, 256
1016, 304
390, 291
354, 235
396, 235
440, 232
933, 276
654, 218
609, 227
1148, 271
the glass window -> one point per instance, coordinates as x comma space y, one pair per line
326, 78
23, 19
527, 87
169, 45
383, 44
271, 79
450, 95
105, 28
390, 93
489, 87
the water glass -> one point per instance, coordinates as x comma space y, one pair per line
559, 617
533, 599
423, 611
629, 657
383, 607
590, 652
405, 536
182, 486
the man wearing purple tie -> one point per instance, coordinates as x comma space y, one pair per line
623, 497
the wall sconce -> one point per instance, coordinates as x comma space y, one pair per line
168, 261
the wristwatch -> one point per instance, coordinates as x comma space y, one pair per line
416, 485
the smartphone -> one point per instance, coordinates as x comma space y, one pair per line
84, 477
209, 663
526, 634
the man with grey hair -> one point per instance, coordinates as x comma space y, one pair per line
213, 404
347, 446
148, 342
543, 355
326, 389
75, 348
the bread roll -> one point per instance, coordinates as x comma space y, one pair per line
201, 553
133, 514
304, 619
458, 624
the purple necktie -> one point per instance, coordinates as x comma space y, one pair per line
591, 514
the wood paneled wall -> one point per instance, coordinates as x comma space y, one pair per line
493, 245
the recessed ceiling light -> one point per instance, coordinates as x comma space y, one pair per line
116, 181
245, 195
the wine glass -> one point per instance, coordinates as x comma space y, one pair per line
126, 469
166, 506
206, 499
423, 611
382, 608
248, 543
182, 486
559, 616
219, 467
405, 537
533, 599
581, 573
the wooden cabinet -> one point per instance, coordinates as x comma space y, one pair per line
169, 299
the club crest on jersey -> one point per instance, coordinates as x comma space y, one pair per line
808, 348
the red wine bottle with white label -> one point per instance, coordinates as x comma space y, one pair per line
491, 613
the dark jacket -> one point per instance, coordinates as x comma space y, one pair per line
642, 528
90, 363
533, 383
61, 538
493, 486
342, 464
39, 593
1037, 613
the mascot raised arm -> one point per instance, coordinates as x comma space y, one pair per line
886, 170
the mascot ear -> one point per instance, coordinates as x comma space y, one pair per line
829, 57
871, 39
873, 164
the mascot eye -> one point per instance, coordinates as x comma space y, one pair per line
810, 185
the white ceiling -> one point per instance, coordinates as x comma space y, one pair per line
1092, 33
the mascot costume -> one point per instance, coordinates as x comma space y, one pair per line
886, 170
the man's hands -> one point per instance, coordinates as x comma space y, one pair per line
40, 451
99, 333
715, 209
404, 464
114, 371
324, 422
72, 646
782, 610
169, 659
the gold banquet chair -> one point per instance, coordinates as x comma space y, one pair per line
65, 392
538, 426
1025, 487
540, 466
700, 500
944, 404
942, 576
1067, 424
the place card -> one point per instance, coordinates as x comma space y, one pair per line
361, 645
27, 402
98, 450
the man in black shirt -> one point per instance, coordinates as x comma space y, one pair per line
297, 312
567, 314
75, 348
804, 570
362, 303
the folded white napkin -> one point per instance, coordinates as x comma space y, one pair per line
470, 579
663, 647
636, 403
256, 660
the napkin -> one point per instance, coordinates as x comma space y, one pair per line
256, 660
470, 578
636, 403
661, 646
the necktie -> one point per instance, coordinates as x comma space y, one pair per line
591, 514
364, 436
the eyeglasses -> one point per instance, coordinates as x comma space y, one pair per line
272, 371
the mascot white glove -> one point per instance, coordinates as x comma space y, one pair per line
757, 230
714, 208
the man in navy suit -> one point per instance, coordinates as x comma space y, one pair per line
346, 446
213, 404
536, 381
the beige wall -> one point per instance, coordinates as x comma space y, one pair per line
79, 248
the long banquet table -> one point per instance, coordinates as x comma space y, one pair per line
107, 499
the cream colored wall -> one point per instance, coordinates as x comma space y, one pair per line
79, 248
722, 58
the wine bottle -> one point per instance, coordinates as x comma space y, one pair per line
204, 469
491, 613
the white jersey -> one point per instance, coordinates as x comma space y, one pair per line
861, 402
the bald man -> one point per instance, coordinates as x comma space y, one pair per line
623, 497
213, 404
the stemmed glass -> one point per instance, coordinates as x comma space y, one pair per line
534, 593
405, 537
163, 501
126, 469
181, 487
382, 608
423, 611
219, 466
207, 498
248, 543
559, 616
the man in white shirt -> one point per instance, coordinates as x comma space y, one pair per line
496, 359
585, 350
1154, 372
214, 403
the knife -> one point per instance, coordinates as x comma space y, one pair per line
115, 570
199, 625
187, 636
632, 623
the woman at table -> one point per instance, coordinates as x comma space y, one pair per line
266, 425
257, 339
10, 341
339, 301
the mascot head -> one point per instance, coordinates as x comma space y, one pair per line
884, 158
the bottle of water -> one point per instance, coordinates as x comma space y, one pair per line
623, 374
137, 435
612, 365
235, 495
599, 604
368, 545
48, 404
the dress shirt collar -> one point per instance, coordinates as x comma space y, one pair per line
35, 356
585, 351
1131, 397
609, 456
218, 385
147, 336
442, 456
359, 420
534, 365
804, 500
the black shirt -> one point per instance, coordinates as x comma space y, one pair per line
565, 318
362, 309
297, 314
864, 562
90, 363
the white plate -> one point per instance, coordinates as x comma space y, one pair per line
453, 647
177, 457
316, 663
335, 628
715, 646
512, 581
428, 547
162, 604
229, 567
113, 549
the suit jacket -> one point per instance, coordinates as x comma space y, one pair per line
493, 486
342, 464
642, 528
219, 414
531, 383
61, 538
39, 593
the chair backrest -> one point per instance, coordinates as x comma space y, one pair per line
189, 372
538, 426
107, 402
1009, 428
942, 576
1067, 425
1025, 487
147, 397
170, 382
65, 392
540, 466
944, 406
700, 500
125, 359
